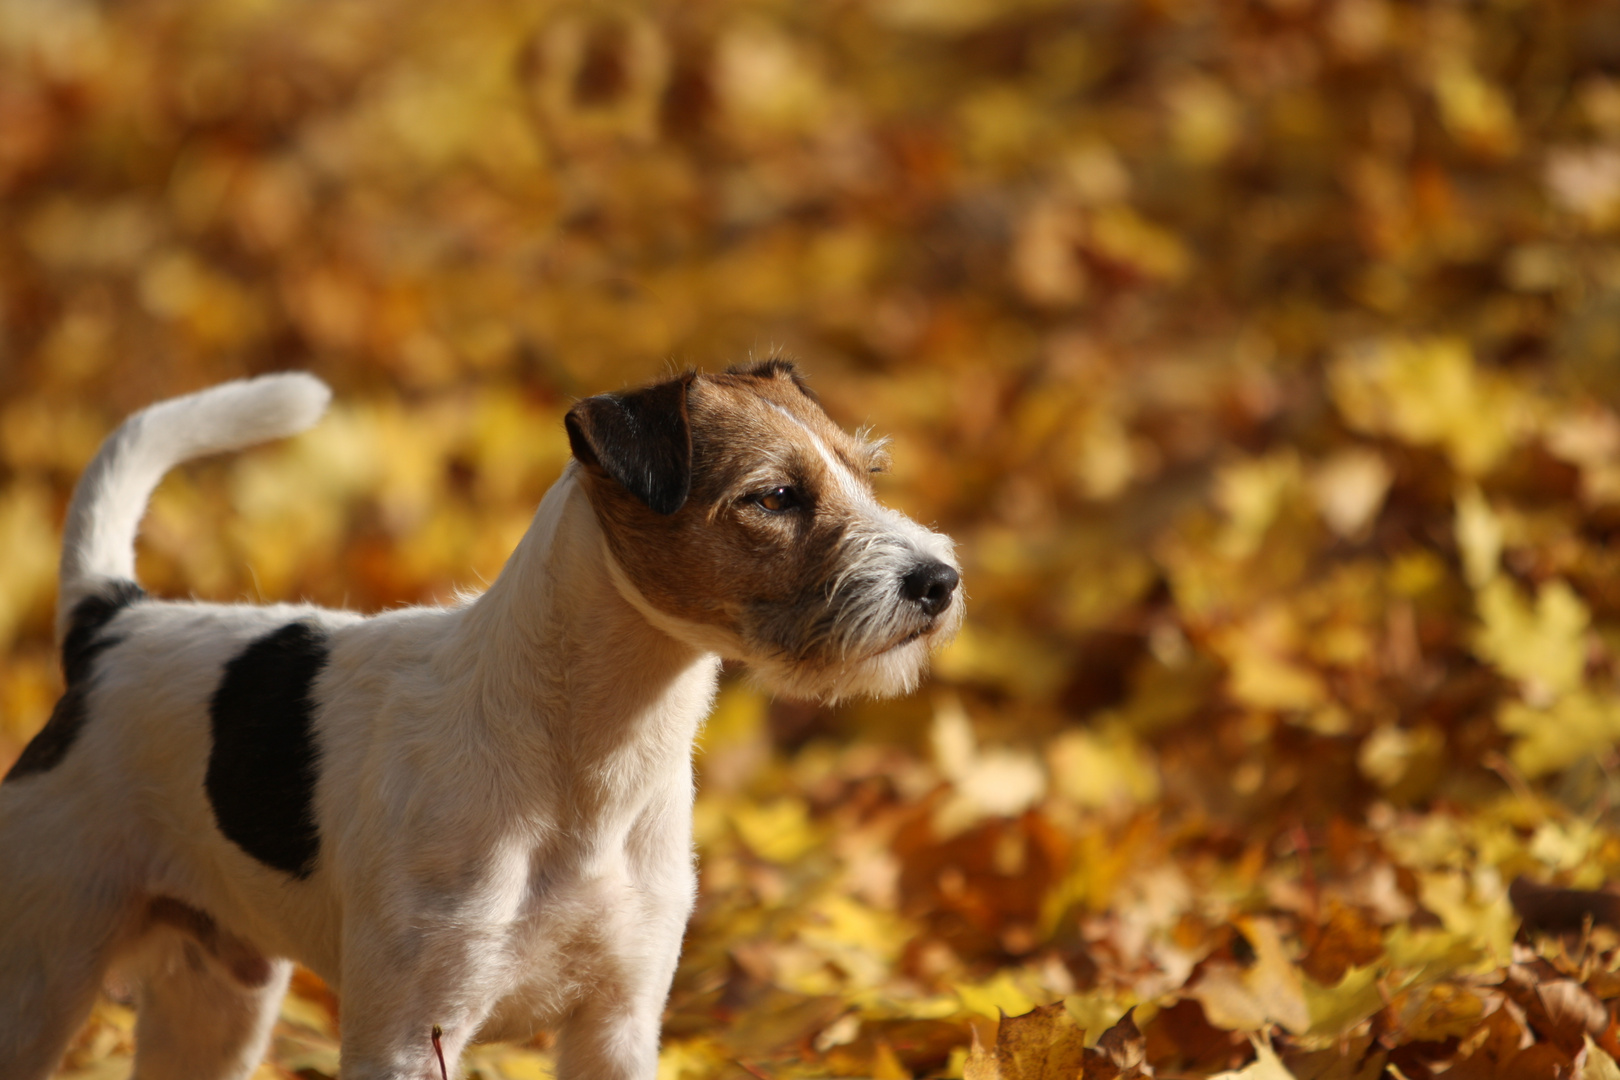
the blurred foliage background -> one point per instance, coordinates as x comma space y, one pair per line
1261, 357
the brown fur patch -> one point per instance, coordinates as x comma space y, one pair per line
725, 561
243, 961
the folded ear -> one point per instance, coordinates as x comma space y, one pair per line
642, 439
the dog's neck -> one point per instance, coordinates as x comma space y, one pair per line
568, 669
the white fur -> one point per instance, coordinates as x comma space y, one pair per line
504, 799
98, 539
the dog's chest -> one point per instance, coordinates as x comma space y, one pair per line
585, 921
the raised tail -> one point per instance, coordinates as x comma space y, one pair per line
98, 542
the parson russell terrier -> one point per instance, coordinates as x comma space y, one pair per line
475, 819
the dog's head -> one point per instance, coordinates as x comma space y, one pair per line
742, 520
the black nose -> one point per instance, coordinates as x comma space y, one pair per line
930, 584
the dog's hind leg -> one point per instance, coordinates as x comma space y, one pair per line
44, 1000
201, 1015
57, 938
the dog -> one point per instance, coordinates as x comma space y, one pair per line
469, 820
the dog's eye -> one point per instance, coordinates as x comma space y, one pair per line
778, 500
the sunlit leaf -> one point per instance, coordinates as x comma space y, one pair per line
1479, 536
1266, 1066
1107, 768
1576, 724
1598, 1065
1430, 392
1268, 991
1541, 644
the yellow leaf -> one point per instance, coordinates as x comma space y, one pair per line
1566, 844
1589, 438
1272, 682
1100, 1012
1103, 768
1392, 754
1477, 113
1542, 646
1252, 493
1479, 535
1204, 118
1261, 654
778, 831
1271, 990
1118, 234
860, 942
511, 1063
1349, 489
1585, 180
309, 1014
767, 80
996, 781
1026, 663
1447, 1011
1598, 1065
295, 1052
1265, 1066
28, 570
691, 1058
1428, 392
1336, 1009
28, 689
1574, 725
886, 1065
738, 719
1003, 992
111, 1068
1475, 910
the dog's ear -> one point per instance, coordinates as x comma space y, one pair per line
642, 439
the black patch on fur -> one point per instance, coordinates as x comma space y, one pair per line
263, 762
83, 643
642, 439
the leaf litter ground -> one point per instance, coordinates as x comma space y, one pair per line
1261, 358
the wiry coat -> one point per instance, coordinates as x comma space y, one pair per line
474, 818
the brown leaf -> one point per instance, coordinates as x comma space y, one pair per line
1572, 1011
1124, 1046
1539, 1061
1182, 1036
981, 1064
1562, 911
1348, 939
922, 1046
1499, 1042
777, 1020
1043, 1044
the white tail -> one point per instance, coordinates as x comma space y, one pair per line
98, 541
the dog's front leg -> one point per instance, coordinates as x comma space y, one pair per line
613, 1035
400, 984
